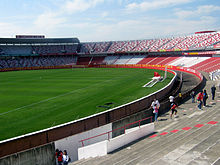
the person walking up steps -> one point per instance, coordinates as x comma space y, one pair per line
199, 98
155, 105
205, 97
173, 110
192, 94
213, 89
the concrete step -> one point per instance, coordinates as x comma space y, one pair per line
134, 149
148, 149
131, 155
193, 149
167, 139
217, 162
166, 146
208, 156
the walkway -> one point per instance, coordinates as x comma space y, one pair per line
192, 138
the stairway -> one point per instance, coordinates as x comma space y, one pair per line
193, 137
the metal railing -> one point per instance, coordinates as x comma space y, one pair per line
124, 129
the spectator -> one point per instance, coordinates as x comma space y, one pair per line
205, 97
65, 158
155, 105
180, 98
199, 98
60, 158
213, 88
171, 99
56, 155
192, 94
173, 110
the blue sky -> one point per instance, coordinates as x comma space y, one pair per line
108, 20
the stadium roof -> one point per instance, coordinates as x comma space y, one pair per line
38, 40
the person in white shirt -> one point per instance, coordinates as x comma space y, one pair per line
65, 158
171, 99
155, 105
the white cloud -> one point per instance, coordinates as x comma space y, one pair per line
73, 6
104, 14
49, 21
143, 28
154, 4
199, 11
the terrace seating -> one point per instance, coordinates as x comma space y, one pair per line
172, 43
135, 59
144, 45
192, 41
84, 60
156, 46
98, 60
101, 47
188, 61
158, 60
208, 65
37, 61
147, 60
95, 47
123, 59
110, 59
209, 41
116, 46
167, 60
129, 46
16, 50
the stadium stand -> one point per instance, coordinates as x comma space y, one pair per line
110, 59
123, 59
172, 43
208, 65
135, 59
116, 46
13, 50
147, 60
167, 60
37, 61
98, 60
194, 41
156, 46
129, 46
144, 45
188, 61
84, 60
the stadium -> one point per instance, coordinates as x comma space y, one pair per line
66, 94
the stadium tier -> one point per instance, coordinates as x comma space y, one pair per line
37, 52
190, 42
37, 46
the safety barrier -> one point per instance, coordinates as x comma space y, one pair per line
124, 128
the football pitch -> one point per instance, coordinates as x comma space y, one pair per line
39, 99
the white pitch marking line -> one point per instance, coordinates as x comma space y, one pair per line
42, 101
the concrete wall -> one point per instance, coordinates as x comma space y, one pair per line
43, 155
107, 146
71, 144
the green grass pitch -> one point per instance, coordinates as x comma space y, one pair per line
39, 99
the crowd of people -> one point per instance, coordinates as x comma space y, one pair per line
201, 100
62, 158
203, 96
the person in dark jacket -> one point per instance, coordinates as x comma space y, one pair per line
213, 89
205, 97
